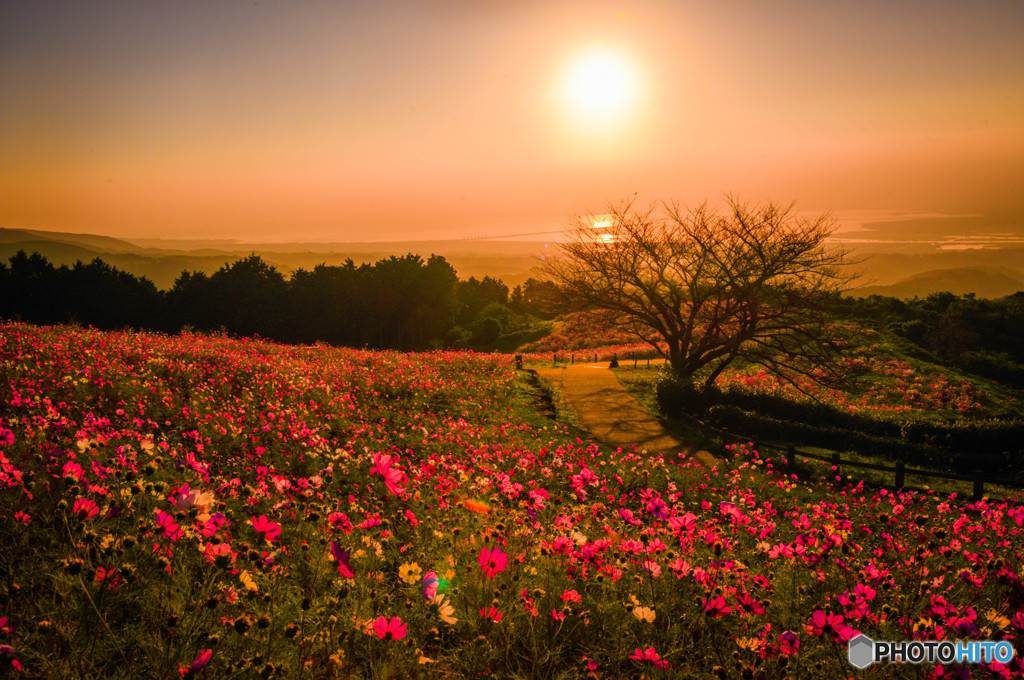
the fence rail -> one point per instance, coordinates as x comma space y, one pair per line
899, 470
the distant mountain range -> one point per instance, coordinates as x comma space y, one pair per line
989, 272
162, 261
985, 283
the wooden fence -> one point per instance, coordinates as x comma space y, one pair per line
899, 471
590, 355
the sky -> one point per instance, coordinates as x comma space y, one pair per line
362, 121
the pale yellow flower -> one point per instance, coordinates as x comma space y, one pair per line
644, 614
445, 610
248, 581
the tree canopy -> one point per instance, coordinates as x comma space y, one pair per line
707, 288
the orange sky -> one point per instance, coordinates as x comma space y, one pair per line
367, 121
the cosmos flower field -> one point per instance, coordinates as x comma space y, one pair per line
198, 506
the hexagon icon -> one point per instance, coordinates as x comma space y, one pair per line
861, 650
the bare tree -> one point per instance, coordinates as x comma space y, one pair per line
707, 288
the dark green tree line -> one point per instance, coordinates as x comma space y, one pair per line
406, 302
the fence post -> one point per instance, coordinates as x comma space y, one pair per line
572, 357
979, 484
900, 472
790, 452
837, 461
648, 362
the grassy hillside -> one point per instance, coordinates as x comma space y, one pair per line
202, 507
907, 403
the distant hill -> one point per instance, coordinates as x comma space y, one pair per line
94, 242
983, 282
161, 261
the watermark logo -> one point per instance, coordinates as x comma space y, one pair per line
863, 651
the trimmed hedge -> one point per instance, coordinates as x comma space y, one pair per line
960, 445
993, 446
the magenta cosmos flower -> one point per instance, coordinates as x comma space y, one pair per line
271, 530
198, 664
493, 561
648, 656
341, 557
392, 629
393, 477
431, 583
822, 623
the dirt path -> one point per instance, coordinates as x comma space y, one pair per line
611, 414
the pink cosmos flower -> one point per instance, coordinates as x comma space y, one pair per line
198, 664
538, 496
750, 605
339, 522
789, 642
493, 561
73, 470
431, 583
653, 567
7, 656
167, 524
392, 629
369, 522
493, 614
857, 600
85, 508
188, 498
393, 477
342, 556
821, 623
716, 607
685, 523
571, 596
270, 530
626, 515
649, 656
224, 550
108, 577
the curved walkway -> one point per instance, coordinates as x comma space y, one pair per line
613, 415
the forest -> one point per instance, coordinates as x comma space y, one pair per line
404, 303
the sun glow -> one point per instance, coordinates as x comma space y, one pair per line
600, 87
602, 224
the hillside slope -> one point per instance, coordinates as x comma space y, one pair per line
983, 282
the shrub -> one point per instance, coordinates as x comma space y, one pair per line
675, 395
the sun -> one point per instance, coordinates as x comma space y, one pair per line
600, 86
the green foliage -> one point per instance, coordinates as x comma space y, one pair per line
675, 394
403, 302
955, 328
959, 446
